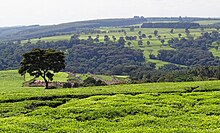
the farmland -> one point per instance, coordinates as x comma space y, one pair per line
114, 66
154, 46
152, 107
148, 107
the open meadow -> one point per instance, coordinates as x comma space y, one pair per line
155, 42
150, 107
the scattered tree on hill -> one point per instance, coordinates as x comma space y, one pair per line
187, 31
140, 42
179, 35
144, 36
150, 36
148, 43
114, 38
140, 37
171, 25
164, 37
155, 32
96, 39
90, 39
129, 44
41, 63
121, 41
162, 41
75, 39
106, 38
135, 37
125, 33
171, 31
159, 37
139, 33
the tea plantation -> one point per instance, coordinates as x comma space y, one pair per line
135, 108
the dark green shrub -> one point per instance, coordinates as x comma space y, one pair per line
67, 85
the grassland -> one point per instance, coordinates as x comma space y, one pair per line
155, 45
152, 107
205, 22
61, 77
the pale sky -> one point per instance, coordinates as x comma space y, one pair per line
43, 12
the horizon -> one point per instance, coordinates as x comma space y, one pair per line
108, 18
51, 12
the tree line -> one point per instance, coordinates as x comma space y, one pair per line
190, 51
182, 25
173, 73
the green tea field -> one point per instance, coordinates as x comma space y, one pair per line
152, 107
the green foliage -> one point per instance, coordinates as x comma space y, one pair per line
40, 62
10, 54
154, 107
93, 82
173, 73
191, 52
107, 59
171, 25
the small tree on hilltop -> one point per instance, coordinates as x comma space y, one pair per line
140, 42
121, 41
171, 31
150, 36
139, 33
41, 63
162, 41
155, 32
148, 43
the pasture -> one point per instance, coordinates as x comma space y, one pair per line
155, 42
150, 107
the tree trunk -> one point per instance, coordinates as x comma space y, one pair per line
47, 86
46, 82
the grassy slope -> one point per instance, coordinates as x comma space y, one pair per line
12, 81
155, 43
61, 77
154, 107
207, 22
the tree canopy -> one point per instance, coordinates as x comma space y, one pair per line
42, 63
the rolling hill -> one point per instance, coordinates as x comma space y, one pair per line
37, 31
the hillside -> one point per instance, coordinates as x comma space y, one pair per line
144, 53
37, 31
155, 107
98, 50
26, 32
152, 48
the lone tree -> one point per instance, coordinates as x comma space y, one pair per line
155, 32
148, 43
162, 41
41, 63
150, 36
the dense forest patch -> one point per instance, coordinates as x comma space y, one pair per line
104, 59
